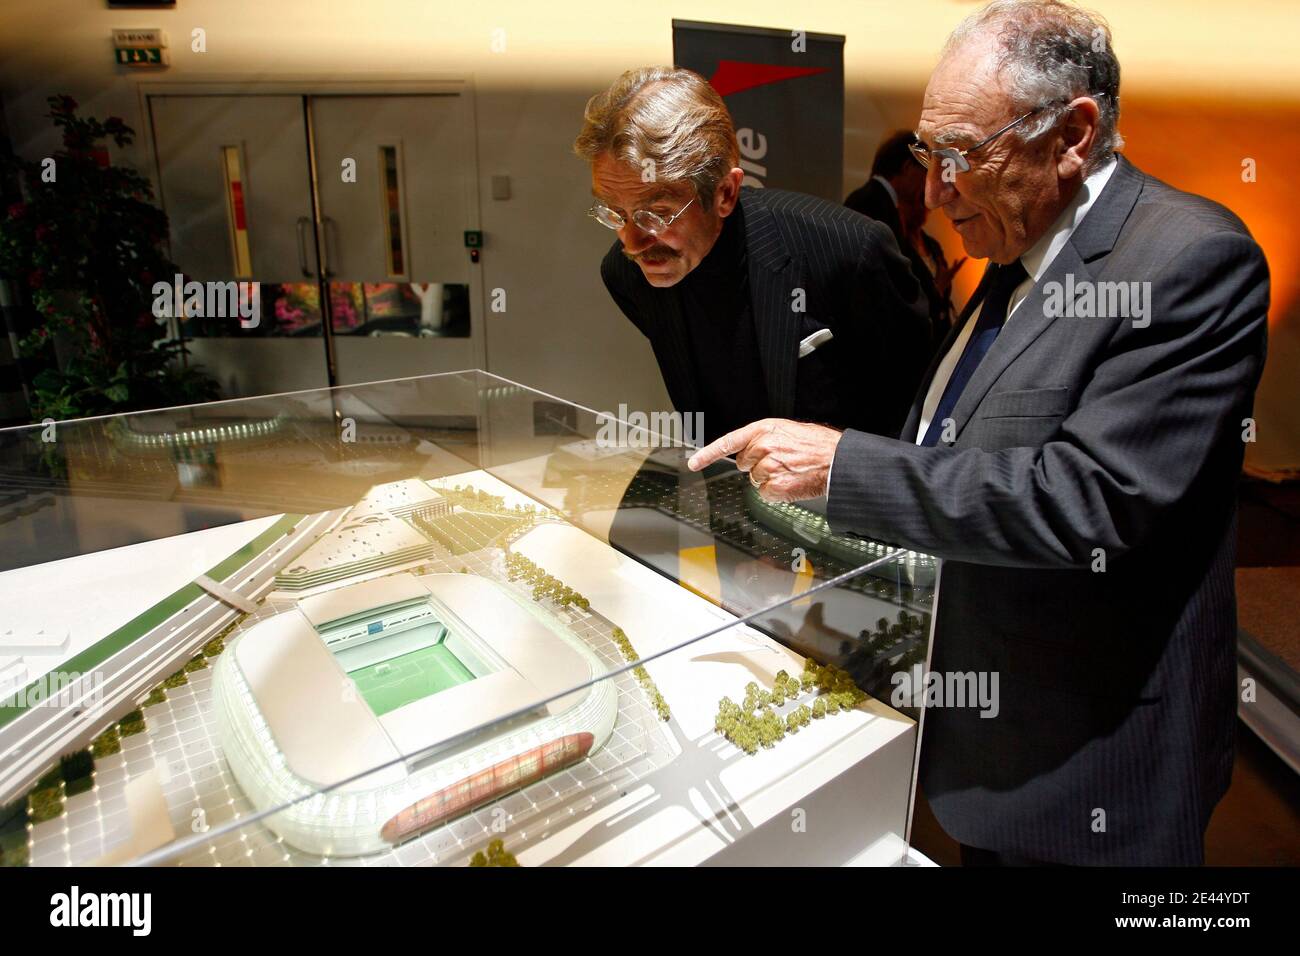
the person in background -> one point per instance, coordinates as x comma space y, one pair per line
895, 195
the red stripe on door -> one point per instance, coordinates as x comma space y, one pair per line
237, 201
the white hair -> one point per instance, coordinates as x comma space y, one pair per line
1049, 53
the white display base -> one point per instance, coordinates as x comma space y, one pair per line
835, 793
50, 596
849, 774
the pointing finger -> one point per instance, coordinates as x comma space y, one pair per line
728, 444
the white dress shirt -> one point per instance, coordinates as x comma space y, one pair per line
1036, 261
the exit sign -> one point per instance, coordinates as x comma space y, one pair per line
140, 56
140, 47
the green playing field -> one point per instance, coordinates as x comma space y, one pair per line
393, 683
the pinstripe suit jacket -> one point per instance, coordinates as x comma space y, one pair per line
1080, 440
856, 283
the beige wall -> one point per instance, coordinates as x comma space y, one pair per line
561, 333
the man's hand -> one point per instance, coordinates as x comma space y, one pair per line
786, 461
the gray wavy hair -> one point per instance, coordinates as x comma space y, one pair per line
1051, 52
668, 115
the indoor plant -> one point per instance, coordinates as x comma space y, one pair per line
86, 242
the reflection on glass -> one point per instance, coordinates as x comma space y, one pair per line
295, 306
418, 309
292, 309
287, 309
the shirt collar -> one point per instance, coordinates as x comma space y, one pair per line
889, 188
728, 249
1040, 255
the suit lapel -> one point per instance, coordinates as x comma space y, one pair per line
1097, 233
773, 275
1092, 238
1026, 324
777, 327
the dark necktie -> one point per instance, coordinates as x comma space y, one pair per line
993, 313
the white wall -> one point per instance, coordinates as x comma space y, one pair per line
561, 333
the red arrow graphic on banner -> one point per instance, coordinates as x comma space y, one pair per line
732, 76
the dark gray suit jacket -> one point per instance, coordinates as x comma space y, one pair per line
1078, 438
857, 284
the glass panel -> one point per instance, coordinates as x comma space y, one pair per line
254, 309
489, 616
293, 308
419, 309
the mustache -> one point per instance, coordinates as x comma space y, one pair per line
657, 251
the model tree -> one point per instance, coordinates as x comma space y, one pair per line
497, 855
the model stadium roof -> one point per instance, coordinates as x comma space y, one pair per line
373, 535
326, 731
344, 602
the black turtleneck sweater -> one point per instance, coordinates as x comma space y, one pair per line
715, 303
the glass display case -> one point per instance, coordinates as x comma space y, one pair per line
440, 620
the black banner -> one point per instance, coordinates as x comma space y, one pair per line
785, 91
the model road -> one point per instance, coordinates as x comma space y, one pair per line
40, 735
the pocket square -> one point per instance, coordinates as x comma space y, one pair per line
815, 341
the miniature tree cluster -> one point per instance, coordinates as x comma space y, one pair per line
754, 723
544, 585
642, 675
14, 849
497, 855
878, 652
479, 500
75, 772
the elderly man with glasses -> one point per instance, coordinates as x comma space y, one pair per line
757, 302
1072, 453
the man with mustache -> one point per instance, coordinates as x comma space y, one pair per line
757, 302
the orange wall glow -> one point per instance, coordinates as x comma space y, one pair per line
1200, 146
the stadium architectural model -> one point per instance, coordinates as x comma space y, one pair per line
384, 672
445, 667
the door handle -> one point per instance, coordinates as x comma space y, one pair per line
326, 222
302, 247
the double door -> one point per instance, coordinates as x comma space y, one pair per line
350, 214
